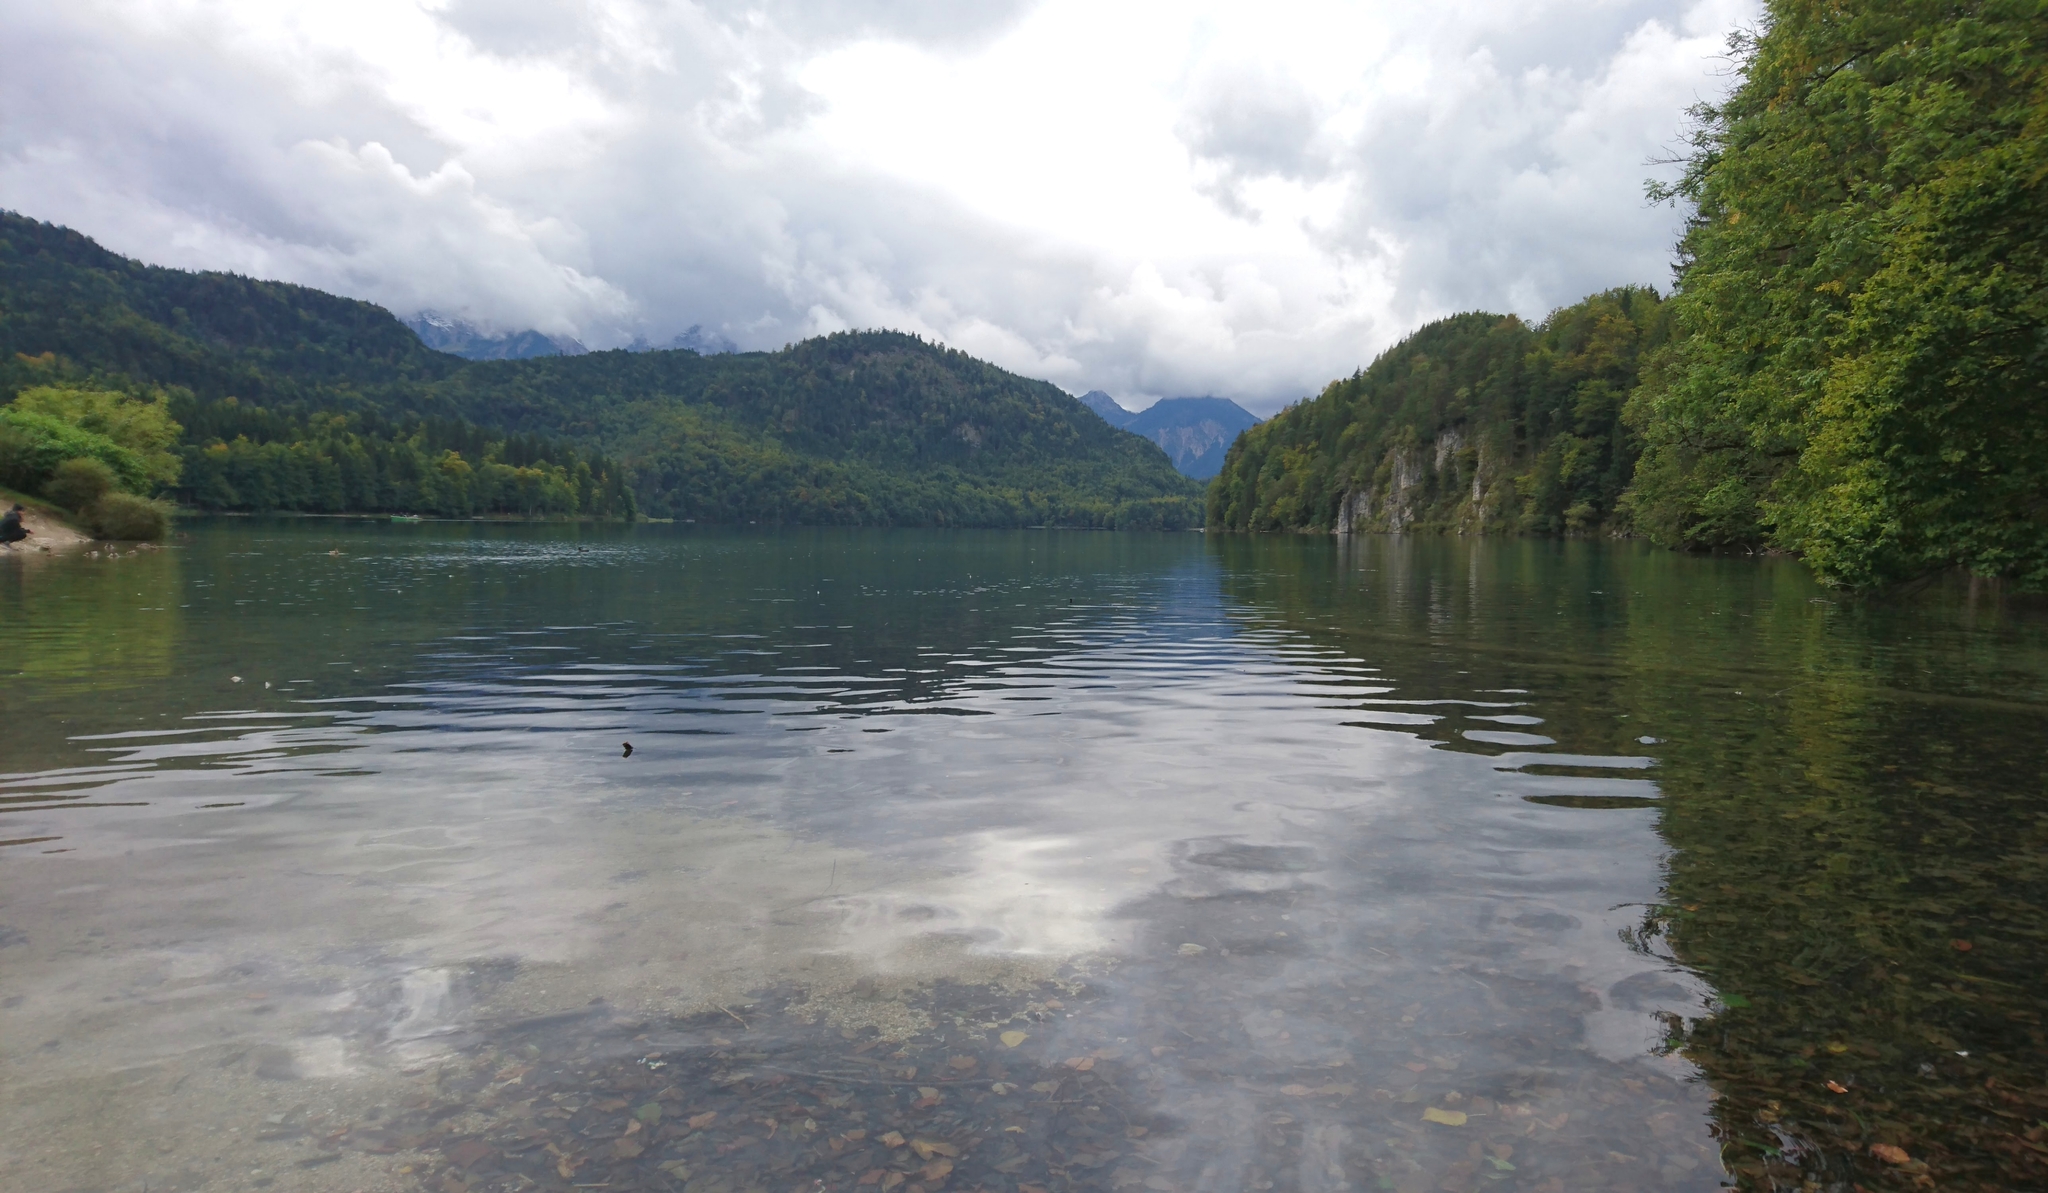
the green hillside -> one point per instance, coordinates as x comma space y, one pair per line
1853, 367
1477, 423
1863, 374
289, 398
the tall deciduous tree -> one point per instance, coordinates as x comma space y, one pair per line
1862, 374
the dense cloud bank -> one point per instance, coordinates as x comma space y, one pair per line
1145, 198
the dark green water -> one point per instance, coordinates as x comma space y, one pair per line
1400, 864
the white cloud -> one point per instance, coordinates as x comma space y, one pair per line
1149, 198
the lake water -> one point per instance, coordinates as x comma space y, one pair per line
1022, 862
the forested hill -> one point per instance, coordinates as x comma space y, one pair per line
1853, 367
290, 398
216, 334
1476, 423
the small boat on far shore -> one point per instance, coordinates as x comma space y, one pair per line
405, 517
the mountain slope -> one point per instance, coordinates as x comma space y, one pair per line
854, 427
1194, 432
214, 333
869, 428
459, 338
1476, 423
1112, 413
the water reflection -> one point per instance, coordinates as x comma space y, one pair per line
1296, 865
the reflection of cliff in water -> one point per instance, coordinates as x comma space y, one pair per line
1854, 800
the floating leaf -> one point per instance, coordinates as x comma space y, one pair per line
700, 1121
963, 1063
937, 1170
927, 1148
892, 1139
1449, 1118
649, 1113
1080, 1064
1013, 1038
1837, 1087
1890, 1153
1191, 950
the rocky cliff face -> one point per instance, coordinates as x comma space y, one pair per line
1445, 485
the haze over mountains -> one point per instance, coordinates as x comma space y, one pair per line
459, 337
1195, 433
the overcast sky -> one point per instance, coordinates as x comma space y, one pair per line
1240, 199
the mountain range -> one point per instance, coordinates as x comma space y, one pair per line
1195, 433
457, 337
301, 391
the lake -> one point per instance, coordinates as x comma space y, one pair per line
1023, 862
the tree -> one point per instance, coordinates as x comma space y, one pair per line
1862, 371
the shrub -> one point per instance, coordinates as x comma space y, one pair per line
119, 515
77, 483
36, 443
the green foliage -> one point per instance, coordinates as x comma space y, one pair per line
342, 408
142, 425
1864, 367
1476, 423
869, 428
32, 445
78, 483
127, 517
254, 459
216, 334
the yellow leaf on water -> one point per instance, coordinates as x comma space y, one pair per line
1890, 1154
1080, 1064
1449, 1118
892, 1139
927, 1148
1013, 1038
963, 1063
700, 1121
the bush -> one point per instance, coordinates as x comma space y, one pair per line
34, 444
77, 483
119, 515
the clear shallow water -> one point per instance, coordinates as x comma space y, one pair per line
1405, 864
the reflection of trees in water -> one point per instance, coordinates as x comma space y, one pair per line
76, 623
1853, 794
